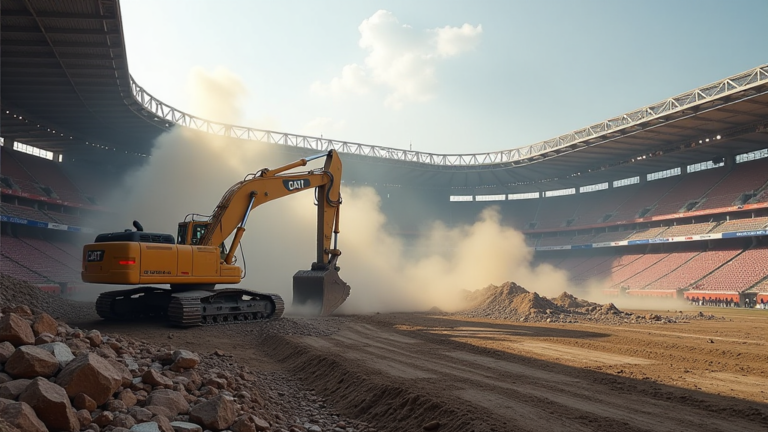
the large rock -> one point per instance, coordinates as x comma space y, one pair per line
156, 379
146, 427
94, 338
12, 389
127, 397
30, 362
45, 338
77, 346
82, 401
123, 371
217, 413
104, 418
249, 423
51, 404
163, 424
22, 416
156, 410
183, 359
115, 405
180, 426
59, 350
6, 349
16, 330
92, 375
139, 414
84, 417
4, 378
44, 323
123, 421
171, 400
193, 380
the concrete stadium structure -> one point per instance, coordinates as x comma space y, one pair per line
681, 178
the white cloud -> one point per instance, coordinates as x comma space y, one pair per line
353, 79
453, 41
400, 59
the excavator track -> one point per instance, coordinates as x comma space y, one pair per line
190, 308
133, 303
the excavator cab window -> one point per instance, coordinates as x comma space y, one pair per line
182, 234
198, 231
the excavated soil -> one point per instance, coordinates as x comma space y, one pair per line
16, 292
510, 301
404, 371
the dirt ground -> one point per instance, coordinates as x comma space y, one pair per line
401, 371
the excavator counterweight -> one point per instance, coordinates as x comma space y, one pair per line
197, 260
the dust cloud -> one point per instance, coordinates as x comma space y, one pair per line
189, 171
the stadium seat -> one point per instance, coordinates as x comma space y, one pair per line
54, 252
694, 269
520, 213
24, 212
690, 188
66, 219
37, 261
739, 274
593, 206
741, 225
48, 173
643, 196
658, 270
627, 271
554, 212
647, 233
611, 236
12, 268
690, 229
745, 177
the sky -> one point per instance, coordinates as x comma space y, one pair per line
442, 76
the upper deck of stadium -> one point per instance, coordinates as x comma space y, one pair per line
67, 88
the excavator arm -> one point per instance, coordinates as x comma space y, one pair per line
320, 289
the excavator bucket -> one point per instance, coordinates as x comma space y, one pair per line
319, 291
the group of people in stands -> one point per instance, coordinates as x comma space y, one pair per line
726, 302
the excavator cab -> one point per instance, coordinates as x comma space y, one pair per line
191, 232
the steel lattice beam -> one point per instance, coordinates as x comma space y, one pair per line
683, 104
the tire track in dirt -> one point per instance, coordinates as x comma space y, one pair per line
509, 391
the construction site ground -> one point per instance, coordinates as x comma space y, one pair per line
401, 371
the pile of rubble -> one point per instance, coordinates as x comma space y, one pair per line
57, 378
513, 302
14, 291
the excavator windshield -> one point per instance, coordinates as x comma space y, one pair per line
191, 233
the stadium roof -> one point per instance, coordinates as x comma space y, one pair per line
64, 68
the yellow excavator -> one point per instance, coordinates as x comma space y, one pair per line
197, 260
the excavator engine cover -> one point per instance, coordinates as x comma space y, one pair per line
319, 291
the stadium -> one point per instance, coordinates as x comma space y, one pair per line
669, 200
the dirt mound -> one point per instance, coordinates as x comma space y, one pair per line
570, 301
513, 302
17, 292
493, 294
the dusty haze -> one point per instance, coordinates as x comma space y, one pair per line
189, 171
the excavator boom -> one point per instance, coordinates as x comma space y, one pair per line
320, 290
